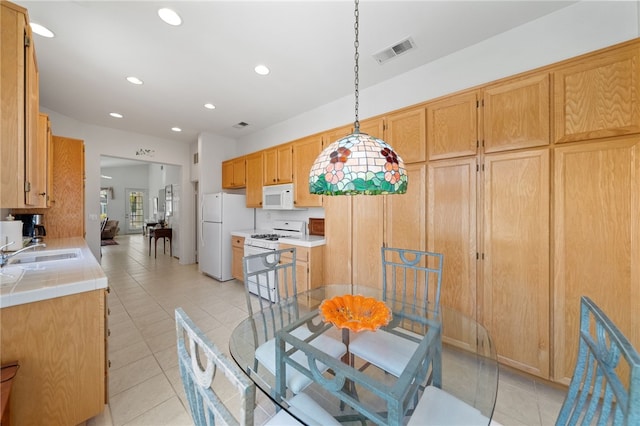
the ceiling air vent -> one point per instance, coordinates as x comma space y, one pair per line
240, 125
395, 50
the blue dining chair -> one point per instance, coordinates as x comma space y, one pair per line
605, 387
272, 276
200, 360
410, 277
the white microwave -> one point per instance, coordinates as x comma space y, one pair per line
278, 197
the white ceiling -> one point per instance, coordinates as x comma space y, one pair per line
210, 58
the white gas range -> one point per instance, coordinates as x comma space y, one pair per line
261, 243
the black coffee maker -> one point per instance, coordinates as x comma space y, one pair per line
32, 226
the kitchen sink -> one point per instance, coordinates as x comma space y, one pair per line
45, 256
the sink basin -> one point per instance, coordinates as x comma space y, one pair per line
10, 275
44, 256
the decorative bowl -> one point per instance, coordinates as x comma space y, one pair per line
355, 312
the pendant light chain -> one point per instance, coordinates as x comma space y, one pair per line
356, 44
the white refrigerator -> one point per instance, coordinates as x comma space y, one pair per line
221, 213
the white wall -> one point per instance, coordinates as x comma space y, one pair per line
115, 143
577, 29
123, 178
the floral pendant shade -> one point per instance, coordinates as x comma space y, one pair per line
358, 164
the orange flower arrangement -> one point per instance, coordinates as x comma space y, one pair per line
355, 312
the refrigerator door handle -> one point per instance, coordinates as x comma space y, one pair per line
202, 222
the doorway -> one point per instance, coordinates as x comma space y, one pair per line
134, 213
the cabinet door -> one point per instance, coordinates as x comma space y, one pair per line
36, 150
373, 127
406, 132
367, 239
405, 215
598, 97
515, 301
254, 180
227, 174
451, 230
334, 135
270, 167
337, 227
516, 114
452, 126
597, 224
237, 252
239, 172
305, 152
285, 164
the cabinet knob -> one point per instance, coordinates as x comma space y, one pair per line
42, 194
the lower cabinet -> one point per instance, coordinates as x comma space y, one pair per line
237, 248
309, 266
61, 349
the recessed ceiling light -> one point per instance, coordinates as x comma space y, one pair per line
134, 80
41, 31
169, 16
210, 106
176, 129
262, 69
116, 115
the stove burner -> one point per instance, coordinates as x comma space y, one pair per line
269, 237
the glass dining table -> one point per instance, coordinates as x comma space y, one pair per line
452, 352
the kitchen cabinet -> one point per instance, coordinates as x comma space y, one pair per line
596, 250
305, 152
254, 180
277, 165
44, 131
20, 155
406, 132
309, 266
43, 164
234, 173
237, 248
338, 213
452, 125
60, 345
405, 215
598, 95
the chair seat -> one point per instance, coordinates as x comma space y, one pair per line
296, 381
305, 408
438, 408
385, 350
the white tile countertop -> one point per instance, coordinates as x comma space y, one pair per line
305, 241
53, 278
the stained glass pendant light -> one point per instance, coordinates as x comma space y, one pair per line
358, 163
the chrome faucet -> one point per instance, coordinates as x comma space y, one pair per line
5, 256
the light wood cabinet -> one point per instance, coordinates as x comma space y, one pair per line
278, 165
598, 96
61, 349
405, 215
515, 258
305, 152
516, 114
452, 126
337, 232
596, 229
406, 132
44, 165
237, 248
21, 177
234, 173
254, 180
309, 266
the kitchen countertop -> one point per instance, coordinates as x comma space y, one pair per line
56, 278
306, 241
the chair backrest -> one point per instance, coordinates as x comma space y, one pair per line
199, 360
603, 388
411, 275
270, 275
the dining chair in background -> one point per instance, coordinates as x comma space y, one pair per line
275, 271
412, 278
199, 360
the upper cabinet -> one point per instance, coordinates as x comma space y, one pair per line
598, 97
452, 125
516, 114
254, 179
406, 132
305, 152
23, 183
278, 165
234, 173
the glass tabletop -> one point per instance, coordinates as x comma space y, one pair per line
465, 363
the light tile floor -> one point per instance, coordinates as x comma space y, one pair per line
144, 382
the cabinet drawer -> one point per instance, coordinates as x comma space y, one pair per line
237, 241
302, 253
